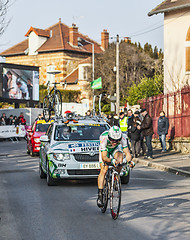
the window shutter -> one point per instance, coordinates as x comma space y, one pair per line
187, 59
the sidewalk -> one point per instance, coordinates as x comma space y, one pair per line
170, 161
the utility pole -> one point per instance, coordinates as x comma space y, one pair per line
117, 77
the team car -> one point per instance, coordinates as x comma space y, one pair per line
70, 149
34, 133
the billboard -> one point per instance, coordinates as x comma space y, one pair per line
19, 83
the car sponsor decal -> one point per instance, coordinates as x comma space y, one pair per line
83, 147
62, 164
52, 167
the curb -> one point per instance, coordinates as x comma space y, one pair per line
162, 167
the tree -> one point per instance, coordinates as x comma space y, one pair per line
155, 53
134, 64
148, 87
3, 12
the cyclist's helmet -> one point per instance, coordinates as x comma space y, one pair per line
115, 134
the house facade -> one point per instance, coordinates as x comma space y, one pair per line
58, 47
176, 43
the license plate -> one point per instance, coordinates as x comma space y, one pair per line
89, 166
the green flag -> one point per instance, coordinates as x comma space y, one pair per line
96, 84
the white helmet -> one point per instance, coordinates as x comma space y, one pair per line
115, 133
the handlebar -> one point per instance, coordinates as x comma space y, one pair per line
119, 164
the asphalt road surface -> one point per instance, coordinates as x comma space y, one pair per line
155, 205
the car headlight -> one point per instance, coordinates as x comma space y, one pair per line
61, 156
37, 140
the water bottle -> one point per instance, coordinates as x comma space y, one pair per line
124, 172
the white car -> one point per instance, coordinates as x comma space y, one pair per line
70, 149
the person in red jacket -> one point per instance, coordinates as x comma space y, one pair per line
22, 119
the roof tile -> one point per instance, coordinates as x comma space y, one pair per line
58, 41
169, 5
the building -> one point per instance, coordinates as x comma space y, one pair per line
176, 43
58, 47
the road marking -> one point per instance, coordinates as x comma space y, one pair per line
26, 160
153, 179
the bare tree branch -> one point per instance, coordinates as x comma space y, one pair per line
4, 4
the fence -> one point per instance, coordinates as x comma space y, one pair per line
177, 108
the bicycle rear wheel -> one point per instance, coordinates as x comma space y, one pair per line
115, 196
105, 197
46, 109
57, 104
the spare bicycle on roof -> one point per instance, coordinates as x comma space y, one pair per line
52, 104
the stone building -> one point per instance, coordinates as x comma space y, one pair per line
58, 47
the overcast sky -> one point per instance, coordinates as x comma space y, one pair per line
128, 18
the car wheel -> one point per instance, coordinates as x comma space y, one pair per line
41, 172
50, 180
125, 179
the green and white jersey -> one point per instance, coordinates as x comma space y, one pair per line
105, 144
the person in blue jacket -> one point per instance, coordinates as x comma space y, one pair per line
163, 125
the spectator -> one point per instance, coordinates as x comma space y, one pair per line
10, 120
22, 119
5, 117
130, 122
2, 121
147, 131
163, 125
116, 120
142, 144
110, 120
15, 120
135, 136
123, 122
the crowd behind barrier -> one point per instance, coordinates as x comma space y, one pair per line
12, 127
12, 120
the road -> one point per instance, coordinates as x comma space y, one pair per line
155, 205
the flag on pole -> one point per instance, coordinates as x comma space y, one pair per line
96, 84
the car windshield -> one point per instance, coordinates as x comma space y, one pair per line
79, 132
41, 127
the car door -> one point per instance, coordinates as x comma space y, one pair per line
30, 136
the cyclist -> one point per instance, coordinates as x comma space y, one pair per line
112, 145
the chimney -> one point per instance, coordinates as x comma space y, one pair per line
73, 35
127, 39
104, 39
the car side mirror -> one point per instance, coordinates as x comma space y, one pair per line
44, 138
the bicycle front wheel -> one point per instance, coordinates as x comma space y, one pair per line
46, 109
57, 104
105, 197
115, 196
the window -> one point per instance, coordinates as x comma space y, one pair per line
85, 73
41, 127
83, 132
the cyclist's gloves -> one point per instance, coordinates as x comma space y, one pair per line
131, 164
113, 161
